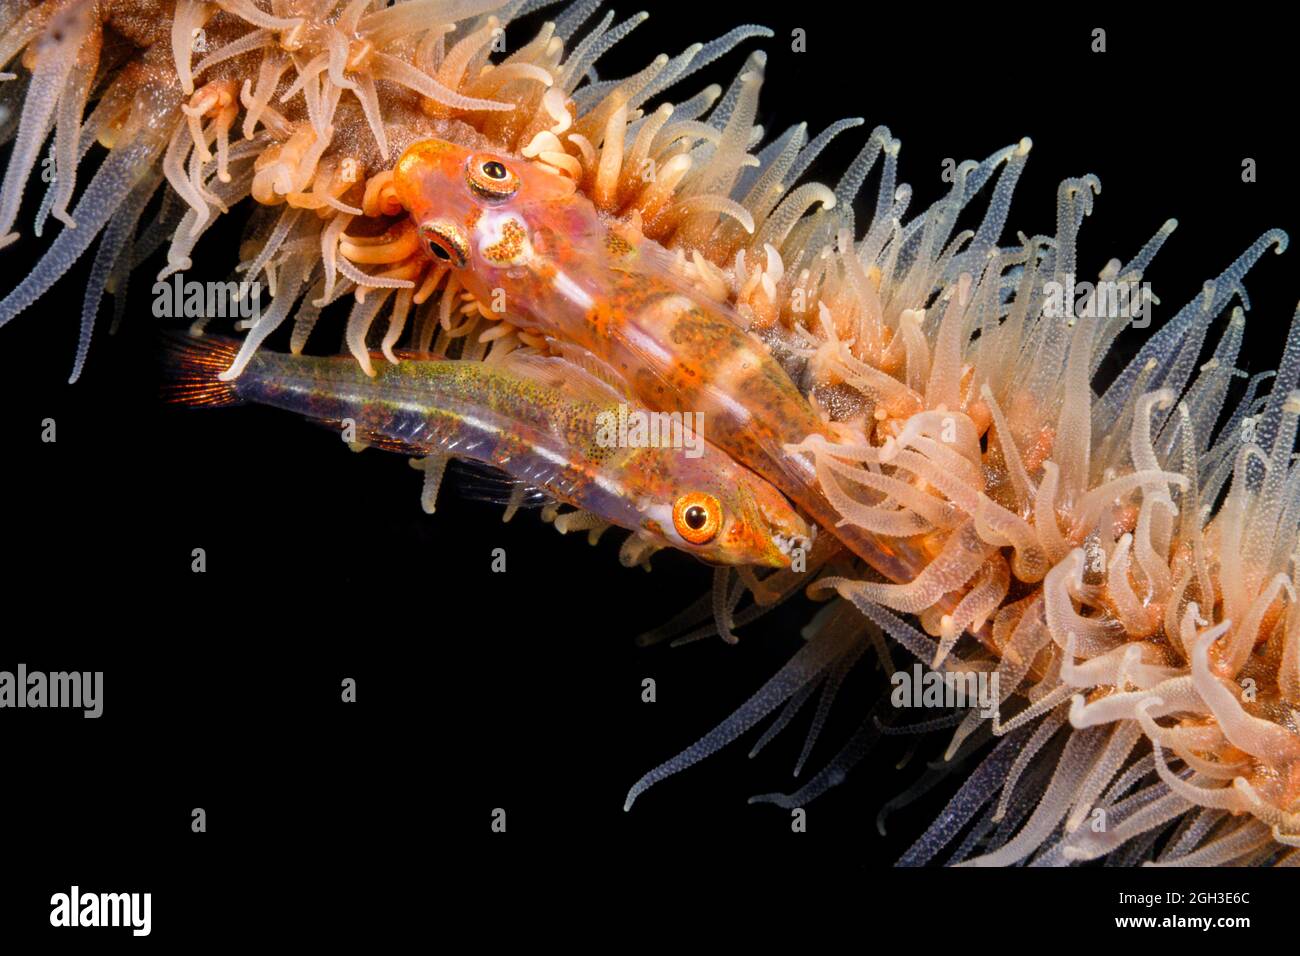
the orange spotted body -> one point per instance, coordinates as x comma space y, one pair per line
524, 240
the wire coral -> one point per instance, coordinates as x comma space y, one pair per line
1121, 559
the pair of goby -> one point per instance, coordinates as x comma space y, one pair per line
516, 229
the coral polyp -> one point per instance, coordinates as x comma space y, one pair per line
1116, 562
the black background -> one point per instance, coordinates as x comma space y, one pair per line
522, 690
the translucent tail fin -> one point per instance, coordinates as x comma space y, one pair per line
191, 367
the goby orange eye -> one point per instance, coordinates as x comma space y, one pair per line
491, 178
446, 242
697, 516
